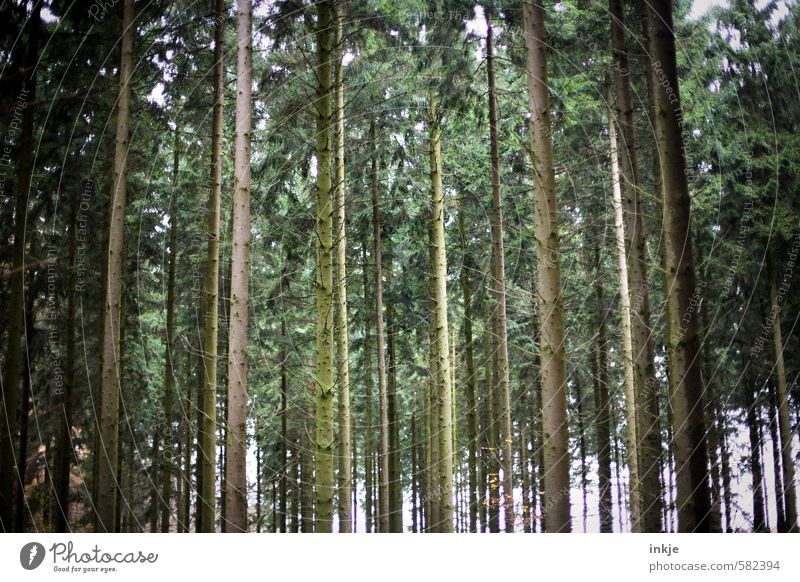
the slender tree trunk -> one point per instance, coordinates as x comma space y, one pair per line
368, 389
492, 407
342, 342
64, 446
686, 389
306, 482
646, 389
499, 292
784, 423
751, 414
553, 363
236, 443
186, 471
169, 365
383, 454
441, 379
12, 369
602, 417
582, 449
395, 479
107, 456
325, 390
284, 459
23, 414
469, 357
780, 504
206, 487
627, 341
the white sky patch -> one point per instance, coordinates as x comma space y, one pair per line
157, 95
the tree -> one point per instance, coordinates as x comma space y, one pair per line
499, 292
106, 487
342, 341
235, 453
208, 395
325, 441
686, 390
553, 365
647, 517
440, 373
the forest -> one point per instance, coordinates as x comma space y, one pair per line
421, 266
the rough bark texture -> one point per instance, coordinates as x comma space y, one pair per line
107, 455
686, 389
499, 292
325, 441
207, 477
342, 341
442, 388
236, 438
556, 508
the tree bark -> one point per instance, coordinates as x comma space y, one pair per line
107, 456
169, 355
342, 342
206, 502
499, 292
368, 389
556, 509
685, 359
441, 378
325, 390
469, 357
784, 423
12, 370
236, 441
646, 389
383, 454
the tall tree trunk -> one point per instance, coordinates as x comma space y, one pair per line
556, 509
12, 370
342, 342
383, 454
686, 387
368, 427
189, 404
751, 415
784, 423
499, 292
106, 501
284, 458
602, 417
306, 481
582, 449
23, 413
236, 444
395, 479
441, 379
780, 503
648, 431
627, 341
325, 441
64, 445
207, 478
169, 355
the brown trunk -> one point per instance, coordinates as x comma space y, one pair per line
499, 292
107, 456
556, 509
684, 357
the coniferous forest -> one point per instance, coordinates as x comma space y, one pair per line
418, 266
